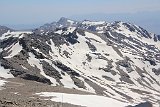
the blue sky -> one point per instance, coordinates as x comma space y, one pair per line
36, 12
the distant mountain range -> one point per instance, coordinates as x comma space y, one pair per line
118, 60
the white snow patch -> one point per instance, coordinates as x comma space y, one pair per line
24, 67
69, 30
1, 49
14, 50
83, 100
70, 21
19, 34
93, 22
68, 82
2, 82
91, 35
5, 73
35, 62
59, 32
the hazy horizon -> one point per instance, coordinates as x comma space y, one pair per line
20, 14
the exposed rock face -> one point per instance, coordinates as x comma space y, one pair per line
65, 22
62, 23
145, 104
156, 71
4, 29
158, 37
35, 77
116, 59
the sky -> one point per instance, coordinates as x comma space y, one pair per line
31, 13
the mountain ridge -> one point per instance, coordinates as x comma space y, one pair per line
118, 60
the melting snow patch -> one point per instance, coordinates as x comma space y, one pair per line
5, 73
83, 100
94, 22
19, 34
2, 82
71, 22
35, 62
15, 50
1, 49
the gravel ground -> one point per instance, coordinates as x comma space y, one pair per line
21, 93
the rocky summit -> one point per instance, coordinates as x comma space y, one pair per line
120, 61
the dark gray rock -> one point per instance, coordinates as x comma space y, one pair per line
62, 66
58, 39
155, 38
145, 104
117, 50
37, 42
89, 58
99, 90
91, 46
35, 77
66, 69
157, 56
51, 27
16, 73
156, 71
71, 38
79, 83
131, 28
6, 64
8, 42
80, 31
124, 76
65, 22
123, 63
67, 54
108, 78
144, 33
151, 61
158, 37
50, 71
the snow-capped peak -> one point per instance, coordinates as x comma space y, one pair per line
88, 22
65, 22
4, 29
118, 60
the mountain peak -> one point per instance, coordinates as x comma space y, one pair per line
4, 29
65, 21
116, 60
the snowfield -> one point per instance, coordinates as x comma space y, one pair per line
4, 73
83, 100
19, 34
16, 48
118, 60
87, 22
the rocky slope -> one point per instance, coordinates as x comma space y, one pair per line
118, 60
4, 29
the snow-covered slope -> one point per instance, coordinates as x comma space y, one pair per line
117, 60
83, 100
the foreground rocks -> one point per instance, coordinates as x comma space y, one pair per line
21, 93
18, 92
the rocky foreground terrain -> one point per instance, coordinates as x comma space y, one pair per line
21, 93
118, 61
